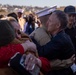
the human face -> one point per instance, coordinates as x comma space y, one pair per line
53, 24
17, 28
71, 19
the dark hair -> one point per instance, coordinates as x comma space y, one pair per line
26, 18
13, 15
31, 18
7, 32
62, 18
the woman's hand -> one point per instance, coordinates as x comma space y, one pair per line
31, 61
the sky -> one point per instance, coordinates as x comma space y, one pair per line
40, 3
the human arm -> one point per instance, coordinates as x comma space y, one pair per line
6, 52
59, 64
50, 49
42, 62
27, 45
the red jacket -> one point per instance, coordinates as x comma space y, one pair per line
6, 52
45, 65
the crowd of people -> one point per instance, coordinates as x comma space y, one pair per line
47, 43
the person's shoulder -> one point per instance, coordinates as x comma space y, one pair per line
61, 36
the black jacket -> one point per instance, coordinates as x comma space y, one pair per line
60, 47
72, 33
